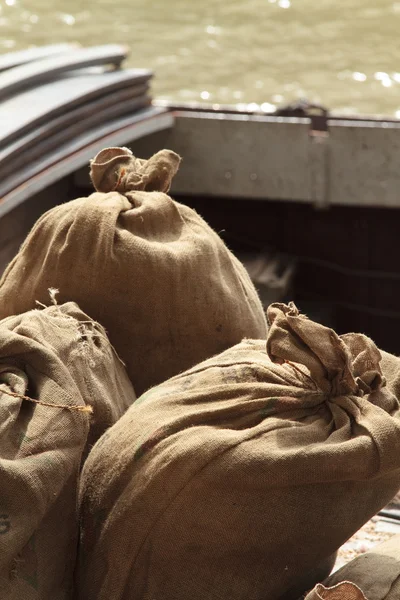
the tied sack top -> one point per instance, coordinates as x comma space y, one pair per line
117, 170
338, 365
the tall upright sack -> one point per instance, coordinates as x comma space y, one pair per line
61, 387
237, 477
164, 285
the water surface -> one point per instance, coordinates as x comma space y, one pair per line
342, 53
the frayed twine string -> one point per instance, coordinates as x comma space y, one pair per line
84, 409
99, 334
121, 175
52, 293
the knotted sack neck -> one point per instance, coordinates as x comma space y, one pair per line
338, 365
117, 170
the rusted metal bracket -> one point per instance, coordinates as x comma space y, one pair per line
303, 108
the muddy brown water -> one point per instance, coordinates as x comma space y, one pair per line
342, 53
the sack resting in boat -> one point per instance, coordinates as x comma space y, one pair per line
376, 573
237, 477
56, 368
164, 285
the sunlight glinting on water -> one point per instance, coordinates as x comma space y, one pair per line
259, 53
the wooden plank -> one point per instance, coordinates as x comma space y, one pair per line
21, 57
73, 156
37, 106
69, 125
39, 71
364, 160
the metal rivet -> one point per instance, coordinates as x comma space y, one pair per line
253, 176
228, 175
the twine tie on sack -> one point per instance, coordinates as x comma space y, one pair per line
117, 170
345, 365
84, 409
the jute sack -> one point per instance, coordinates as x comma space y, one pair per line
150, 270
61, 386
376, 572
391, 370
232, 480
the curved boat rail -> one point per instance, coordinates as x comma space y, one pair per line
59, 105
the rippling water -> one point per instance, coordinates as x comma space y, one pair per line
342, 53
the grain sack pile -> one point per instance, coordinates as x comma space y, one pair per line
150, 270
61, 387
234, 479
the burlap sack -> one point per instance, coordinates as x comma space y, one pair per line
56, 367
342, 591
376, 572
232, 480
150, 270
391, 370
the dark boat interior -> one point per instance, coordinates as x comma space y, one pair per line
346, 271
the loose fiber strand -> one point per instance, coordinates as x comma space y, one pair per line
84, 409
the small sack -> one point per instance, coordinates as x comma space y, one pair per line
235, 478
61, 387
164, 285
342, 591
376, 572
